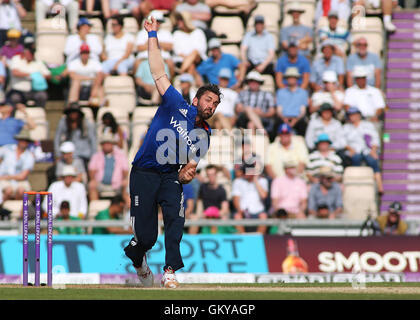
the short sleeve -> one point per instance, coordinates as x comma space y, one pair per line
172, 99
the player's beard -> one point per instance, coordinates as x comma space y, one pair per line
203, 113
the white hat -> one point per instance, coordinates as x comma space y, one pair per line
107, 137
292, 72
158, 15
329, 76
214, 43
295, 7
254, 75
360, 72
186, 77
67, 147
68, 171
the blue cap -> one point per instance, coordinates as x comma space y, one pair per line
186, 77
323, 137
83, 21
353, 110
284, 128
225, 73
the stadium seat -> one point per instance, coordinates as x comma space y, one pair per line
371, 28
143, 115
359, 193
307, 18
15, 206
231, 27
268, 84
225, 11
232, 49
271, 13
120, 92
97, 27
40, 132
50, 41
95, 206
88, 114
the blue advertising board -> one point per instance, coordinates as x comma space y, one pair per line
104, 254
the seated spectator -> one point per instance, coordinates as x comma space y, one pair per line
12, 47
10, 14
64, 215
190, 44
391, 223
117, 55
292, 102
109, 125
97, 5
71, 7
286, 146
255, 107
108, 169
338, 36
3, 75
114, 212
363, 143
330, 93
342, 7
328, 61
145, 83
297, 32
133, 6
289, 192
245, 6
9, 125
385, 5
200, 15
210, 68
146, 6
224, 116
325, 123
325, 199
257, 48
293, 59
369, 60
76, 128
86, 78
83, 35
67, 189
28, 78
16, 162
186, 87
369, 100
67, 150
324, 157
166, 43
249, 193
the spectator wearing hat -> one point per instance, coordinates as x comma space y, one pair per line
369, 100
257, 48
64, 215
76, 128
325, 122
117, 55
28, 78
190, 43
328, 61
67, 150
369, 60
11, 11
329, 93
293, 59
166, 43
325, 199
209, 69
224, 116
86, 78
108, 169
286, 146
339, 36
187, 87
297, 32
342, 7
255, 108
83, 35
292, 102
324, 156
9, 125
391, 222
249, 193
12, 47
289, 192
362, 143
71, 7
16, 162
67, 189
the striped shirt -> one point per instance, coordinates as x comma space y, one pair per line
317, 161
263, 100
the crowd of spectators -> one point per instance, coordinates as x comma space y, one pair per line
322, 113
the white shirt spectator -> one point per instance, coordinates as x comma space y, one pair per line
250, 200
334, 130
75, 194
21, 64
227, 104
367, 100
9, 17
116, 47
11, 165
320, 97
185, 43
355, 137
163, 35
73, 43
91, 69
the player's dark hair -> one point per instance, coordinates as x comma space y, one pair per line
208, 87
